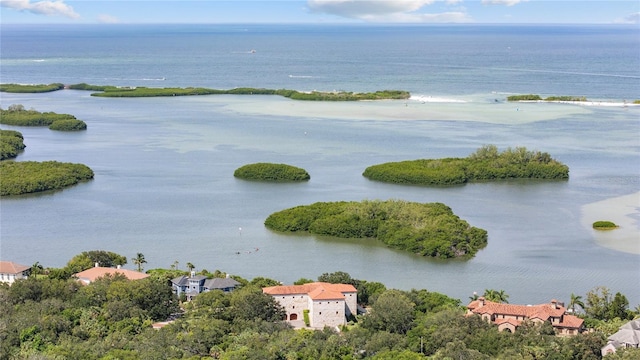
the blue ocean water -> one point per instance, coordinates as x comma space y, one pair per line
164, 166
597, 61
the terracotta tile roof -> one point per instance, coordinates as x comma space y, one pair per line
316, 290
9, 267
92, 274
570, 321
541, 311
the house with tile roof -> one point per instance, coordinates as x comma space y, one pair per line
326, 304
193, 285
90, 275
628, 336
508, 317
10, 271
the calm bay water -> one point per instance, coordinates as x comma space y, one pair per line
164, 182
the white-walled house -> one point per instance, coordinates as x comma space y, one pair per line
10, 271
327, 304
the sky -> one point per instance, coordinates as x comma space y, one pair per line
319, 11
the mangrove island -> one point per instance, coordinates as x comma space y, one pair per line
271, 172
24, 177
17, 115
426, 229
485, 164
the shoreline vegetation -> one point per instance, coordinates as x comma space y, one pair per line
484, 165
17, 115
425, 229
271, 172
117, 91
131, 91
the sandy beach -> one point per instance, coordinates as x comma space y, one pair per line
624, 211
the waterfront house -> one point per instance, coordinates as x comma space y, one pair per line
193, 285
90, 275
325, 304
10, 271
508, 317
628, 336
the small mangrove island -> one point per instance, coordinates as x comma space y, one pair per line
426, 229
487, 163
271, 172
534, 97
17, 115
25, 177
11, 143
604, 225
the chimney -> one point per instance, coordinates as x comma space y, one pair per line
481, 299
193, 273
96, 264
119, 267
227, 276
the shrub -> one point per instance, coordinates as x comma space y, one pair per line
528, 97
604, 225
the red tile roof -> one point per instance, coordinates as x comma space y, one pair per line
541, 311
9, 267
316, 290
92, 274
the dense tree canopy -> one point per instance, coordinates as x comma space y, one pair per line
24, 177
11, 143
426, 229
271, 172
485, 164
110, 318
17, 115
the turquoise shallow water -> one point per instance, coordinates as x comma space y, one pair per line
164, 166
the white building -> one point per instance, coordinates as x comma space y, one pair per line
326, 304
10, 271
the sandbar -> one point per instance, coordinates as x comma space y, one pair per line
624, 211
473, 108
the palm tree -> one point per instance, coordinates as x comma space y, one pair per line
190, 266
496, 296
575, 300
139, 260
36, 269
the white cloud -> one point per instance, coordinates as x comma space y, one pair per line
633, 18
108, 19
385, 10
44, 7
362, 8
502, 2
